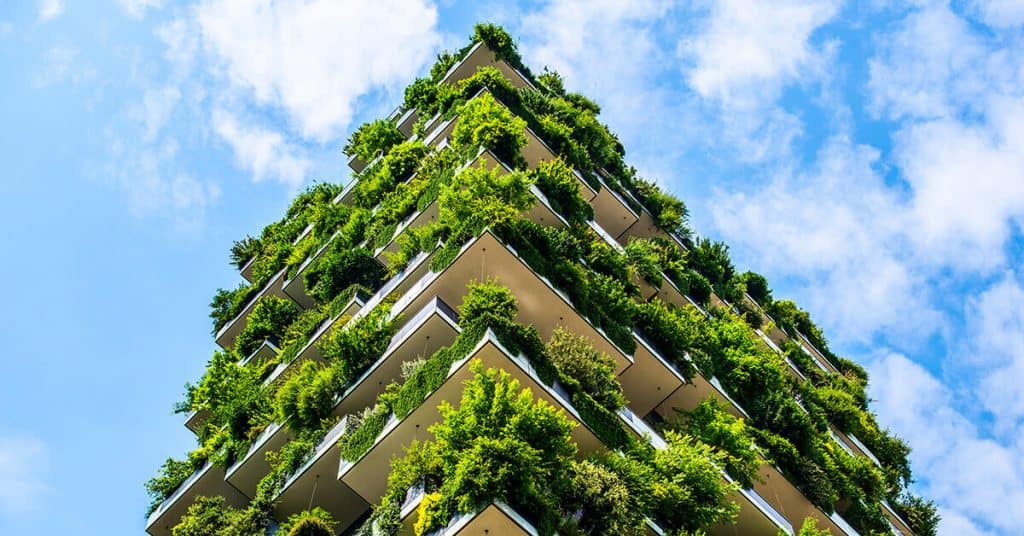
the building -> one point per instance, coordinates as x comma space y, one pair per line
494, 226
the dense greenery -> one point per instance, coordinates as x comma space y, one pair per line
522, 454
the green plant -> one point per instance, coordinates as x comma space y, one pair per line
573, 356
483, 122
372, 139
268, 320
339, 268
713, 425
315, 522
810, 528
688, 491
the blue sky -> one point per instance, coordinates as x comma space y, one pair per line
867, 157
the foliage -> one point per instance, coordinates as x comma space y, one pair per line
810, 528
921, 514
211, 516
711, 259
599, 500
487, 300
171, 474
688, 491
710, 423
556, 181
267, 321
670, 213
757, 287
315, 522
226, 304
242, 251
483, 122
339, 268
372, 139
575, 357
393, 169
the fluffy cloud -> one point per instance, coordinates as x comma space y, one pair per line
747, 51
23, 462
314, 59
741, 57
968, 472
264, 152
50, 9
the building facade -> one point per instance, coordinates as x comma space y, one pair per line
498, 328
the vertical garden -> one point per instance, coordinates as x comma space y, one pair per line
513, 411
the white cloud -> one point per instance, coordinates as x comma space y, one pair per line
264, 152
149, 174
314, 59
50, 9
1000, 13
748, 50
838, 229
24, 461
155, 110
137, 8
971, 475
739, 60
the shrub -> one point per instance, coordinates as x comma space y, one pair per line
172, 473
575, 357
242, 251
315, 522
372, 139
340, 268
757, 287
689, 492
483, 122
712, 424
268, 320
810, 528
556, 180
601, 501
487, 300
922, 515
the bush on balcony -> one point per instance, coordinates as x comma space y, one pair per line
710, 423
269, 318
483, 122
226, 304
373, 139
921, 515
555, 179
688, 491
315, 522
339, 268
393, 169
573, 356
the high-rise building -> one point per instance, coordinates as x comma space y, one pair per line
498, 328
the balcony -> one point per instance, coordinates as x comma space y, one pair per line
756, 517
856, 446
896, 522
650, 380
314, 483
406, 120
364, 475
534, 152
229, 332
818, 357
481, 56
246, 269
206, 481
540, 303
245, 474
311, 350
295, 285
784, 497
690, 395
431, 328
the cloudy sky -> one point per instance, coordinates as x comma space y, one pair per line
867, 157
